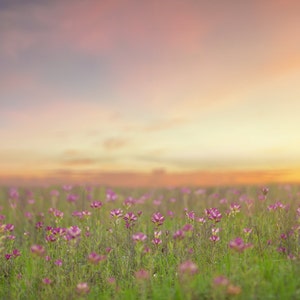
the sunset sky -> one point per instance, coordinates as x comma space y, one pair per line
190, 86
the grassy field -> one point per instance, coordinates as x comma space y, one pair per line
97, 243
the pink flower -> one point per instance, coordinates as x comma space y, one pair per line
96, 204
38, 250
16, 253
179, 234
82, 288
116, 213
156, 241
239, 245
73, 232
139, 237
213, 214
9, 227
221, 281
187, 268
47, 281
214, 238
158, 219
58, 262
95, 258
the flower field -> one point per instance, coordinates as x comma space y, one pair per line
94, 242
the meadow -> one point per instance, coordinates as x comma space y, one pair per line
95, 242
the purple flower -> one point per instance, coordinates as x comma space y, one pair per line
73, 232
38, 250
72, 198
158, 219
110, 195
239, 245
16, 253
47, 281
179, 234
156, 241
82, 288
213, 214
58, 262
95, 258
116, 213
96, 204
139, 237
187, 268
9, 227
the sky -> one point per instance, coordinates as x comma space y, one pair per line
173, 87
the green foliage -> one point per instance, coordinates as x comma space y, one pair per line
250, 252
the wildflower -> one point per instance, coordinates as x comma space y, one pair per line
247, 230
47, 281
72, 198
201, 220
9, 227
116, 213
190, 214
16, 253
179, 234
96, 204
221, 281
187, 268
214, 238
58, 262
234, 209
39, 225
73, 232
215, 231
95, 258
188, 227
38, 250
213, 214
82, 288
158, 219
239, 245
142, 274
111, 195
8, 256
67, 187
130, 219
139, 237
156, 241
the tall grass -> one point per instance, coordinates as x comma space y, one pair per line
97, 243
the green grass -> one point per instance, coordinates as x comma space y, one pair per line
269, 269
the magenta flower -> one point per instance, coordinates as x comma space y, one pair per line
116, 213
8, 256
95, 258
156, 241
190, 214
73, 232
38, 250
213, 214
221, 281
239, 245
82, 288
187, 268
111, 195
214, 238
96, 204
47, 281
139, 237
9, 227
188, 227
72, 198
130, 219
16, 253
179, 234
58, 262
158, 219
